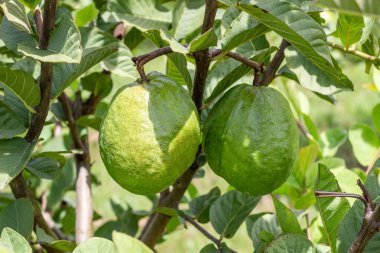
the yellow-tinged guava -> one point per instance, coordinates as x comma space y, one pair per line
251, 139
150, 135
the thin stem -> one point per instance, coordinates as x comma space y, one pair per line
326, 194
212, 238
352, 51
275, 64
255, 65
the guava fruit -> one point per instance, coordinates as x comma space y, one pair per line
150, 135
251, 139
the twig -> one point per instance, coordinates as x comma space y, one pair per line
49, 220
270, 74
371, 217
216, 241
258, 67
18, 184
143, 59
325, 194
352, 51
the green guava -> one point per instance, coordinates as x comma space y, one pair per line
251, 139
150, 135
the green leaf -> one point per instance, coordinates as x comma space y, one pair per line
244, 28
365, 143
11, 36
18, 215
124, 241
14, 154
95, 245
92, 121
314, 78
178, 60
286, 218
16, 105
63, 245
66, 73
172, 42
12, 242
10, 123
86, 15
349, 29
237, 73
119, 62
230, 210
266, 222
64, 44
15, 12
296, 27
291, 243
187, 17
356, 7
206, 40
99, 84
352, 222
31, 4
22, 84
43, 167
331, 140
332, 210
143, 14
200, 206
376, 117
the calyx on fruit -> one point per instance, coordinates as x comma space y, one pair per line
150, 135
251, 139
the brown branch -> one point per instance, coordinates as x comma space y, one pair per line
84, 210
258, 67
216, 241
141, 60
275, 64
352, 51
157, 222
18, 184
371, 217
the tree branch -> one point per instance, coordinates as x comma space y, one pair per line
371, 217
141, 60
157, 222
275, 64
84, 210
18, 184
352, 51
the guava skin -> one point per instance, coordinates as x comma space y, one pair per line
150, 135
251, 139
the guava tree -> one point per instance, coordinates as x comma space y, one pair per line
184, 94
